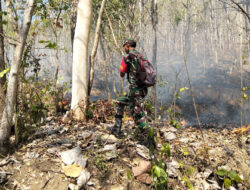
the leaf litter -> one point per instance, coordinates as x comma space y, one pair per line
75, 155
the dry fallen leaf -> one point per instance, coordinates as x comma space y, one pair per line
128, 119
72, 170
144, 167
183, 123
241, 130
144, 178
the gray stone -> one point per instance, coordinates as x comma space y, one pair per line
214, 184
184, 140
142, 151
207, 173
72, 187
3, 177
74, 156
168, 136
83, 178
110, 151
172, 172
53, 151
110, 138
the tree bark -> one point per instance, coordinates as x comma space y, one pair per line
73, 14
95, 46
80, 59
154, 21
141, 35
6, 121
2, 63
106, 70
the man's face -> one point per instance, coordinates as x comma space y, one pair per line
126, 48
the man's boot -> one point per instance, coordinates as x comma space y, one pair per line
117, 128
148, 137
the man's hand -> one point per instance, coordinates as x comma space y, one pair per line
122, 74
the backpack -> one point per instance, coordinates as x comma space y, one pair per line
146, 75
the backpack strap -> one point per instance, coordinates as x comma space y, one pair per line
139, 57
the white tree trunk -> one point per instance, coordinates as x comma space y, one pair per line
80, 59
6, 121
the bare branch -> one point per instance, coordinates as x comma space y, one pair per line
238, 7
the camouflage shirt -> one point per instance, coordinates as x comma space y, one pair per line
132, 64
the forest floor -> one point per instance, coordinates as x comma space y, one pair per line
112, 164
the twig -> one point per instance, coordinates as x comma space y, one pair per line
4, 163
46, 183
239, 7
188, 76
14, 42
51, 171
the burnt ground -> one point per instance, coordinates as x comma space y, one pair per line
37, 164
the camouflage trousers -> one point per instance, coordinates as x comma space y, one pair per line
136, 103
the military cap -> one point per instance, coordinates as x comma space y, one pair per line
130, 42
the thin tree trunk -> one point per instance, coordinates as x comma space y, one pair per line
56, 79
113, 34
73, 14
106, 70
2, 63
13, 23
95, 46
142, 25
114, 88
154, 21
6, 121
128, 29
80, 59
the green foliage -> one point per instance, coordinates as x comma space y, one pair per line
129, 176
175, 123
227, 182
183, 89
165, 149
187, 182
89, 112
49, 44
230, 177
161, 82
151, 132
99, 162
159, 169
159, 176
4, 72
187, 172
149, 107
185, 151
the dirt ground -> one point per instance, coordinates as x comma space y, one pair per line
37, 163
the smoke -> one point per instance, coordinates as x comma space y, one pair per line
216, 48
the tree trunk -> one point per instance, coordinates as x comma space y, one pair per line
95, 46
154, 21
2, 63
80, 59
56, 79
106, 70
141, 35
113, 34
6, 121
73, 14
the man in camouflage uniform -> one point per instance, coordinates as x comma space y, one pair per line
135, 98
